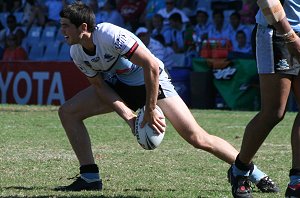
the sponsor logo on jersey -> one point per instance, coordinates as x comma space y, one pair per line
82, 68
95, 59
120, 42
87, 63
108, 57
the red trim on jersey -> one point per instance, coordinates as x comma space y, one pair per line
131, 51
122, 71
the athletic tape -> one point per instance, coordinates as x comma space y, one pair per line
272, 10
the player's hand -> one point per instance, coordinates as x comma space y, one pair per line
294, 49
154, 120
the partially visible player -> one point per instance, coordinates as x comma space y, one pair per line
124, 76
278, 55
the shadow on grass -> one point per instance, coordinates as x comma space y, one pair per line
73, 195
68, 196
143, 190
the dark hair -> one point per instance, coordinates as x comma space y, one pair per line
218, 12
238, 15
11, 17
202, 12
240, 32
112, 3
175, 17
11, 37
156, 15
160, 38
79, 13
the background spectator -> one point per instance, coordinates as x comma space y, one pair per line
131, 10
12, 6
13, 50
243, 46
109, 13
187, 7
235, 25
160, 29
33, 14
152, 7
1, 52
156, 47
177, 33
53, 8
204, 5
12, 28
94, 5
1, 26
219, 29
248, 12
202, 26
171, 9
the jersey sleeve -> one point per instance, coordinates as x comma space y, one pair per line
124, 43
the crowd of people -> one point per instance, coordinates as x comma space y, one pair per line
177, 26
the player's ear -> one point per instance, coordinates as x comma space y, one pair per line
84, 27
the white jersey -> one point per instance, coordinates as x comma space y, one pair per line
114, 47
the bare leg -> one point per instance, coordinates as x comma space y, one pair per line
83, 105
275, 90
183, 121
295, 137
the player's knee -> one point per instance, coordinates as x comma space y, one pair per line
201, 142
274, 117
63, 112
278, 117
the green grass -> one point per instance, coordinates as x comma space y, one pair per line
35, 156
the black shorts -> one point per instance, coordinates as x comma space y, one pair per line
133, 96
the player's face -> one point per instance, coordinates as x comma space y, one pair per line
70, 31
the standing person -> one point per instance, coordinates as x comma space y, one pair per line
278, 55
137, 78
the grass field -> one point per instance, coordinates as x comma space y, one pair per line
35, 156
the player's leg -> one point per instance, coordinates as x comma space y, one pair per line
271, 57
293, 188
83, 105
273, 106
72, 113
183, 121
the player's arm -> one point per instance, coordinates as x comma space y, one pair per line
150, 66
276, 16
110, 97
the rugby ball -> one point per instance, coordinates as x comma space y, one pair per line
146, 136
